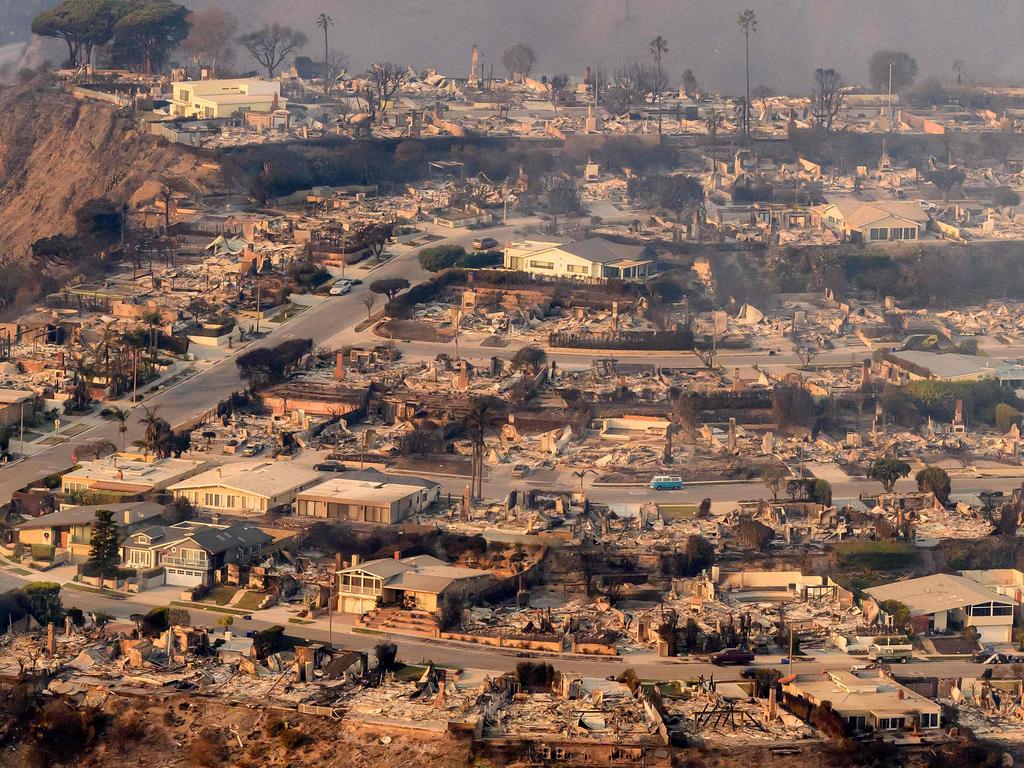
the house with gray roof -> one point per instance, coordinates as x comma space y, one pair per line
70, 530
191, 552
946, 602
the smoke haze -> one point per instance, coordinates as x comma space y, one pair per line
793, 36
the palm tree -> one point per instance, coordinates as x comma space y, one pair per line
120, 415
325, 22
135, 340
659, 47
748, 23
482, 414
153, 424
153, 321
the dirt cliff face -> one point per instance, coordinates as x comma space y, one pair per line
56, 152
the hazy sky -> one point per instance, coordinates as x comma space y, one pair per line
793, 37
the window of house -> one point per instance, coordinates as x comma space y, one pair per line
930, 720
889, 723
542, 265
1002, 610
878, 233
981, 610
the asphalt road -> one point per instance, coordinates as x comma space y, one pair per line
455, 655
328, 323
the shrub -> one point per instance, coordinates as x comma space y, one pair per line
481, 260
440, 257
1006, 417
44, 601
936, 480
44, 552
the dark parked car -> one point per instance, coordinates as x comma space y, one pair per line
732, 656
329, 466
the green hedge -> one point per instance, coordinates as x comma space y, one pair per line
44, 552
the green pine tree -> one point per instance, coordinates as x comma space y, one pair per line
105, 554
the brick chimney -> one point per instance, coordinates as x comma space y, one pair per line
398, 554
51, 639
339, 367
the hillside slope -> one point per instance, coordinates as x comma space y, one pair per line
56, 152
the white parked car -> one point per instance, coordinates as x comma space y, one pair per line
340, 288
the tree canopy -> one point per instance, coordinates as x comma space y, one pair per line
519, 59
904, 70
888, 471
936, 480
81, 24
104, 551
272, 44
389, 286
145, 35
211, 38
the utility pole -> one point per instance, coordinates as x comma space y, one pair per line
259, 305
458, 326
330, 611
22, 430
791, 649
344, 255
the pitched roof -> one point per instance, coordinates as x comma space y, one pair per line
597, 249
260, 478
422, 573
377, 476
860, 213
215, 540
141, 510
939, 592
949, 365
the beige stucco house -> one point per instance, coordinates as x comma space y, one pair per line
591, 260
246, 487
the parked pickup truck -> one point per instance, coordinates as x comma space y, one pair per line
891, 649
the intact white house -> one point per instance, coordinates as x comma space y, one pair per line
857, 221
592, 260
246, 487
210, 99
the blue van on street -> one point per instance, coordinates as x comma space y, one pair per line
666, 483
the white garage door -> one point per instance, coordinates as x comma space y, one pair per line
180, 577
995, 634
357, 604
